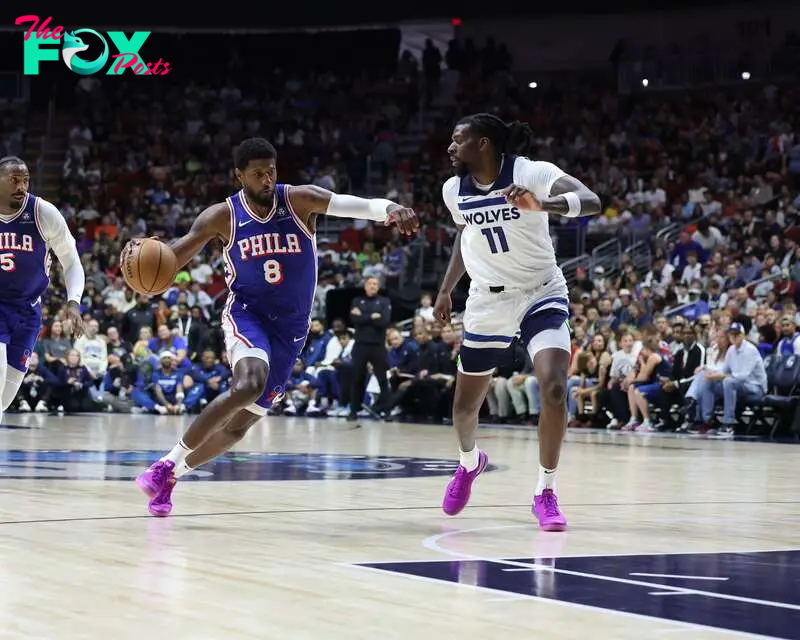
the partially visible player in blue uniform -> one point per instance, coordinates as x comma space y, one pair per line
29, 228
267, 230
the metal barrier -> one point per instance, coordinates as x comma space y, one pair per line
641, 255
669, 233
569, 267
675, 311
607, 255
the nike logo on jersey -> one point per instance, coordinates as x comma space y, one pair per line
300, 338
244, 222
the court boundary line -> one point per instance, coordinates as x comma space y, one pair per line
386, 509
563, 603
432, 544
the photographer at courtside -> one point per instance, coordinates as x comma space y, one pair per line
370, 315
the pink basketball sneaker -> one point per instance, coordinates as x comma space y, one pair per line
153, 480
545, 508
459, 488
161, 505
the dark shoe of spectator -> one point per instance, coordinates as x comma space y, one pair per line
533, 420
726, 431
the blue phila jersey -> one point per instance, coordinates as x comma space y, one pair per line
24, 256
271, 263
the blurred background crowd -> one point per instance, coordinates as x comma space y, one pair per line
697, 243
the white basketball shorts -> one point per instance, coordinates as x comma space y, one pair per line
493, 319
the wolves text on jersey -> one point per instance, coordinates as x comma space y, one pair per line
500, 214
268, 244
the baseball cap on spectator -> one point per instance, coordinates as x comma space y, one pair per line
599, 271
736, 327
182, 276
624, 292
167, 354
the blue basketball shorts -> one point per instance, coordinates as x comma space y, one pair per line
276, 340
19, 329
493, 319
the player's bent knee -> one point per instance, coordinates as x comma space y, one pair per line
249, 388
553, 390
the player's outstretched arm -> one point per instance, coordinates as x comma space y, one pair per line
56, 233
308, 200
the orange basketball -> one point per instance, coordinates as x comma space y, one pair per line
149, 266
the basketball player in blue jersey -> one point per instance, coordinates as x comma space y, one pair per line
267, 230
500, 203
29, 228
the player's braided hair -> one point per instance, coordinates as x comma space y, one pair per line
506, 137
10, 161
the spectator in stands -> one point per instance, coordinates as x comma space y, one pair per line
300, 392
37, 386
117, 385
500, 399
680, 254
140, 316
71, 392
56, 346
333, 373
420, 397
654, 368
688, 360
211, 375
371, 314
164, 393
743, 377
166, 341
93, 350
316, 345
790, 342
425, 310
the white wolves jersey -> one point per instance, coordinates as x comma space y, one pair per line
501, 245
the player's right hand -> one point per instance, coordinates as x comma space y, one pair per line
443, 308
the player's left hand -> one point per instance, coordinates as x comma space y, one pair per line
404, 219
71, 312
521, 197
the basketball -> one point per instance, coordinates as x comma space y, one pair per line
149, 266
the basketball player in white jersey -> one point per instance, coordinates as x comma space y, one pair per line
500, 203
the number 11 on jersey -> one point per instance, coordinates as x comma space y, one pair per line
490, 234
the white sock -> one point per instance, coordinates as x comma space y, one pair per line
178, 454
469, 459
181, 469
547, 480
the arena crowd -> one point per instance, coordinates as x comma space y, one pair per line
650, 344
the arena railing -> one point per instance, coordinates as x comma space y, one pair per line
607, 255
569, 267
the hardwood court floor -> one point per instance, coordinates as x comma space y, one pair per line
315, 530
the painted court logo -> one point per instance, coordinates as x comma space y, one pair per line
40, 45
230, 467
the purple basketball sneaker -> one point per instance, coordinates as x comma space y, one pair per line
545, 508
153, 480
459, 488
161, 505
